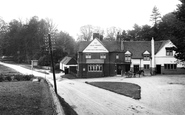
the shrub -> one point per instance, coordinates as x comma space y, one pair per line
1, 79
17, 78
8, 78
27, 77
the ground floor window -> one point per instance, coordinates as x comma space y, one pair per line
95, 68
146, 66
170, 66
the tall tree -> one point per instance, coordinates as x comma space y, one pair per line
111, 33
135, 33
3, 30
155, 16
86, 33
180, 15
156, 19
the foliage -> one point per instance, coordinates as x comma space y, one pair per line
180, 15
26, 41
112, 33
155, 16
86, 33
18, 77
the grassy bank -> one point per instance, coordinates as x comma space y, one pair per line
123, 88
25, 98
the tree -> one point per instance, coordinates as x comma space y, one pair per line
112, 33
86, 33
155, 16
146, 33
135, 33
180, 15
3, 30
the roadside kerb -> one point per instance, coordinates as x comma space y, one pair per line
58, 108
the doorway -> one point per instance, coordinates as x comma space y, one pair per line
136, 68
158, 69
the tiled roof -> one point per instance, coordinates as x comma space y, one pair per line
137, 48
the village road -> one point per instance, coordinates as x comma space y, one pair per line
85, 99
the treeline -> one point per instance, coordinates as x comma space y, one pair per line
168, 27
26, 41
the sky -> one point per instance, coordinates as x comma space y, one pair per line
70, 15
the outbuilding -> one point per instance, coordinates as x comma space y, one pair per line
66, 63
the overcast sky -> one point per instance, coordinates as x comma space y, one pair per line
70, 15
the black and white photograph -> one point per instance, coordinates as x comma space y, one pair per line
92, 57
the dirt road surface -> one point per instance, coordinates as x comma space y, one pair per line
160, 95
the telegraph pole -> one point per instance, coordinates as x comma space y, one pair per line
53, 67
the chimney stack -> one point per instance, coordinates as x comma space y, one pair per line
97, 35
122, 45
153, 57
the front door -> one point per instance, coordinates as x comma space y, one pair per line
158, 69
119, 68
136, 68
127, 67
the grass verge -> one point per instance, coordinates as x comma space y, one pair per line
25, 98
67, 108
123, 88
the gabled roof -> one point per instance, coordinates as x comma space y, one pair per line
136, 48
111, 46
68, 61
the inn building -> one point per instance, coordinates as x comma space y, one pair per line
100, 58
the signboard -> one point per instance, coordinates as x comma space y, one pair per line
95, 46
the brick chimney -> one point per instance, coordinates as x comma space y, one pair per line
97, 35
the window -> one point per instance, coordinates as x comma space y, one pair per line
169, 52
102, 56
146, 66
117, 56
88, 56
127, 58
146, 57
170, 66
95, 68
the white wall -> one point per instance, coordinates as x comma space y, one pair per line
139, 62
161, 58
162, 51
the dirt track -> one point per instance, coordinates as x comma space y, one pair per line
160, 95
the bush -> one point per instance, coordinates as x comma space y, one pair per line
1, 79
27, 77
8, 78
16, 77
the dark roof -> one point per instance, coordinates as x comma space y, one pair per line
137, 48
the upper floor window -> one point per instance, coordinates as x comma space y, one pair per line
117, 56
146, 57
102, 56
127, 58
169, 52
88, 56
